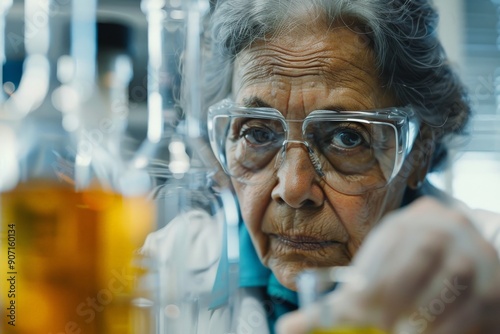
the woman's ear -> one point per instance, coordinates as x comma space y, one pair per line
421, 157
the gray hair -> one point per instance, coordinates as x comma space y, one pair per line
410, 59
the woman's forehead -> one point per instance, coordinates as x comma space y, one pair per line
302, 54
318, 62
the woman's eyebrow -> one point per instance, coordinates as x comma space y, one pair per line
255, 102
333, 107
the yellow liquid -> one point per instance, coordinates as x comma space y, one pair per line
361, 330
71, 259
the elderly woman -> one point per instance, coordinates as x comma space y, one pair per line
328, 115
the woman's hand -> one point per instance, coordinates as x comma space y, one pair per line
427, 269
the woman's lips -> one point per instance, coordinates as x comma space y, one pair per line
303, 242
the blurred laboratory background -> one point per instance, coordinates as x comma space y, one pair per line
470, 30
122, 24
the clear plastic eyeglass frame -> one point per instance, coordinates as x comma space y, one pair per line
352, 151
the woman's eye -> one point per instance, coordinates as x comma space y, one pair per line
347, 139
259, 135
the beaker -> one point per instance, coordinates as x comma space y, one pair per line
72, 214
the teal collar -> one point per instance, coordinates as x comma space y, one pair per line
252, 273
281, 300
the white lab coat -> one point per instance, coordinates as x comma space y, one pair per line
193, 240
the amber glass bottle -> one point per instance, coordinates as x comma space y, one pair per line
72, 214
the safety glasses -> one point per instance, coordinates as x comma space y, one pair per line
353, 151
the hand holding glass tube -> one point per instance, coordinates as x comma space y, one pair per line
417, 291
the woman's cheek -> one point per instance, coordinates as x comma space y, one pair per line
358, 214
254, 201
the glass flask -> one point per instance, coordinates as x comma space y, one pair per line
196, 248
72, 213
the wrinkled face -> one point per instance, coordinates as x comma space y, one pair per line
297, 221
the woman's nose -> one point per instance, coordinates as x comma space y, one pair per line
298, 181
